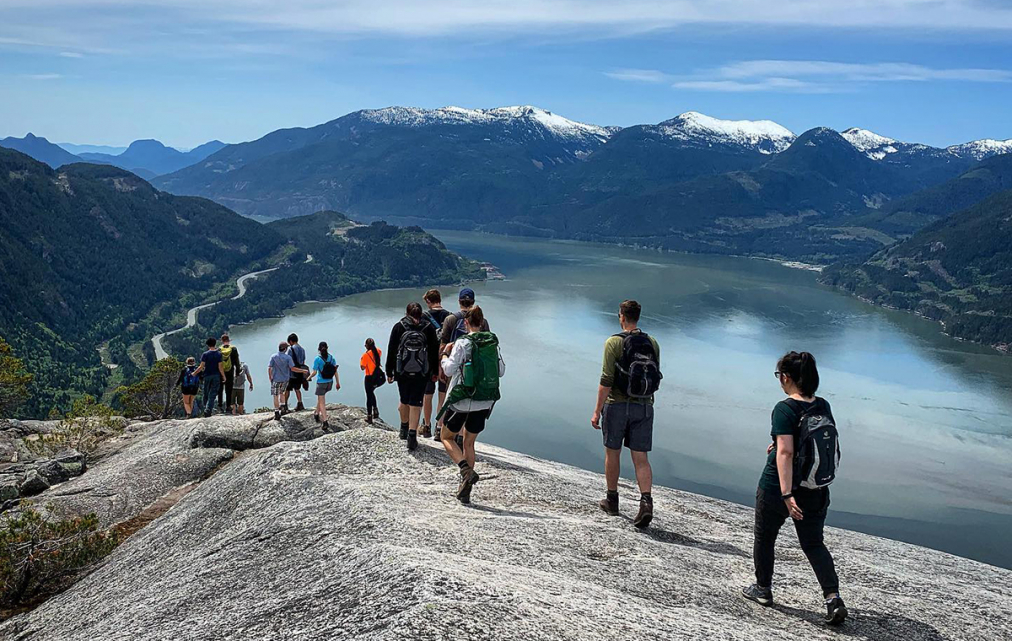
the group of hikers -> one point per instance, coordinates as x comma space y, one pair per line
454, 359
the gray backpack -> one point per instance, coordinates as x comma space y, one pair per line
816, 447
412, 351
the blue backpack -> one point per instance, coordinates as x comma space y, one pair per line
189, 378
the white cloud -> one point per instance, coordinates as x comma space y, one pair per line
84, 25
42, 76
765, 84
71, 54
639, 75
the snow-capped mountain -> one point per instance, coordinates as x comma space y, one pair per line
764, 136
981, 149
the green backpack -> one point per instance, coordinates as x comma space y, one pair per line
480, 376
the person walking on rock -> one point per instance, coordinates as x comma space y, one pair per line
241, 378
325, 369
435, 314
801, 462
279, 372
474, 364
189, 382
412, 360
229, 361
374, 377
454, 328
214, 372
299, 373
625, 408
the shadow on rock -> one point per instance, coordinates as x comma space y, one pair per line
664, 536
869, 624
510, 513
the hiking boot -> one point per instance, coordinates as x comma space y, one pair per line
284, 409
645, 515
610, 504
368, 419
412, 440
836, 611
437, 433
277, 415
316, 417
404, 431
326, 427
300, 407
468, 478
762, 596
425, 431
207, 414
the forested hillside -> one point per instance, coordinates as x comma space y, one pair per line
957, 270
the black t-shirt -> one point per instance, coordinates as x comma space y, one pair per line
437, 315
786, 420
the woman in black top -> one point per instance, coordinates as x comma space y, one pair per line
775, 500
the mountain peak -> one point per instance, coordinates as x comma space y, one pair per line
764, 136
981, 149
452, 115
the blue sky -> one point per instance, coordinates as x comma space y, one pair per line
186, 71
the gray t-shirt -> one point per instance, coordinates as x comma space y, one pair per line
281, 367
240, 376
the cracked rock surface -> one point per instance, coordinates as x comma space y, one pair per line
350, 536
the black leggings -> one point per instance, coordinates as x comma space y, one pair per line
770, 514
370, 395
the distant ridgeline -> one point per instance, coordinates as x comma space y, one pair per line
93, 261
957, 270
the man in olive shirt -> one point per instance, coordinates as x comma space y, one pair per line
625, 420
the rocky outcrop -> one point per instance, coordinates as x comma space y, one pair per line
349, 535
23, 473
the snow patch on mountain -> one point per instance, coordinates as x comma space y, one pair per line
864, 140
981, 149
764, 136
553, 123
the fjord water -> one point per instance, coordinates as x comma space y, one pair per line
926, 421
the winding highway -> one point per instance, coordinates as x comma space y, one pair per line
191, 315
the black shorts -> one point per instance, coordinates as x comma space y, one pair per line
473, 422
412, 390
629, 424
190, 391
431, 387
296, 381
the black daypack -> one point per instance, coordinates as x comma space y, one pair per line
460, 329
637, 373
816, 447
412, 351
329, 369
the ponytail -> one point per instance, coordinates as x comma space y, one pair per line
323, 350
801, 369
370, 345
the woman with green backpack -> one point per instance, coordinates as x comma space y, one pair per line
325, 366
474, 366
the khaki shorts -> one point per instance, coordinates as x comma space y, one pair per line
239, 396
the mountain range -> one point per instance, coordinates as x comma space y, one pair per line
146, 158
94, 259
692, 182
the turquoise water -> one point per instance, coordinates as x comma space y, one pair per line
926, 421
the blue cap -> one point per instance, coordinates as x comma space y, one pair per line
466, 294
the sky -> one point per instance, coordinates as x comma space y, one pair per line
187, 71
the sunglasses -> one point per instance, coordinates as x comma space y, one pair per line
778, 375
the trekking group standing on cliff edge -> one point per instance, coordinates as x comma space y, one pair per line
456, 356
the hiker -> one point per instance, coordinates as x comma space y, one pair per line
229, 361
454, 328
189, 381
801, 462
435, 314
474, 364
412, 360
625, 407
280, 371
325, 369
240, 378
300, 379
214, 372
374, 377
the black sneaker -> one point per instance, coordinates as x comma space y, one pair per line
609, 505
316, 417
836, 611
404, 432
207, 414
326, 427
762, 596
468, 478
300, 407
645, 515
412, 440
277, 415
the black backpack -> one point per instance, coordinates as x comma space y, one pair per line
460, 329
637, 373
816, 446
412, 351
329, 368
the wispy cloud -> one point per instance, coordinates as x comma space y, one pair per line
806, 76
71, 54
83, 25
42, 76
